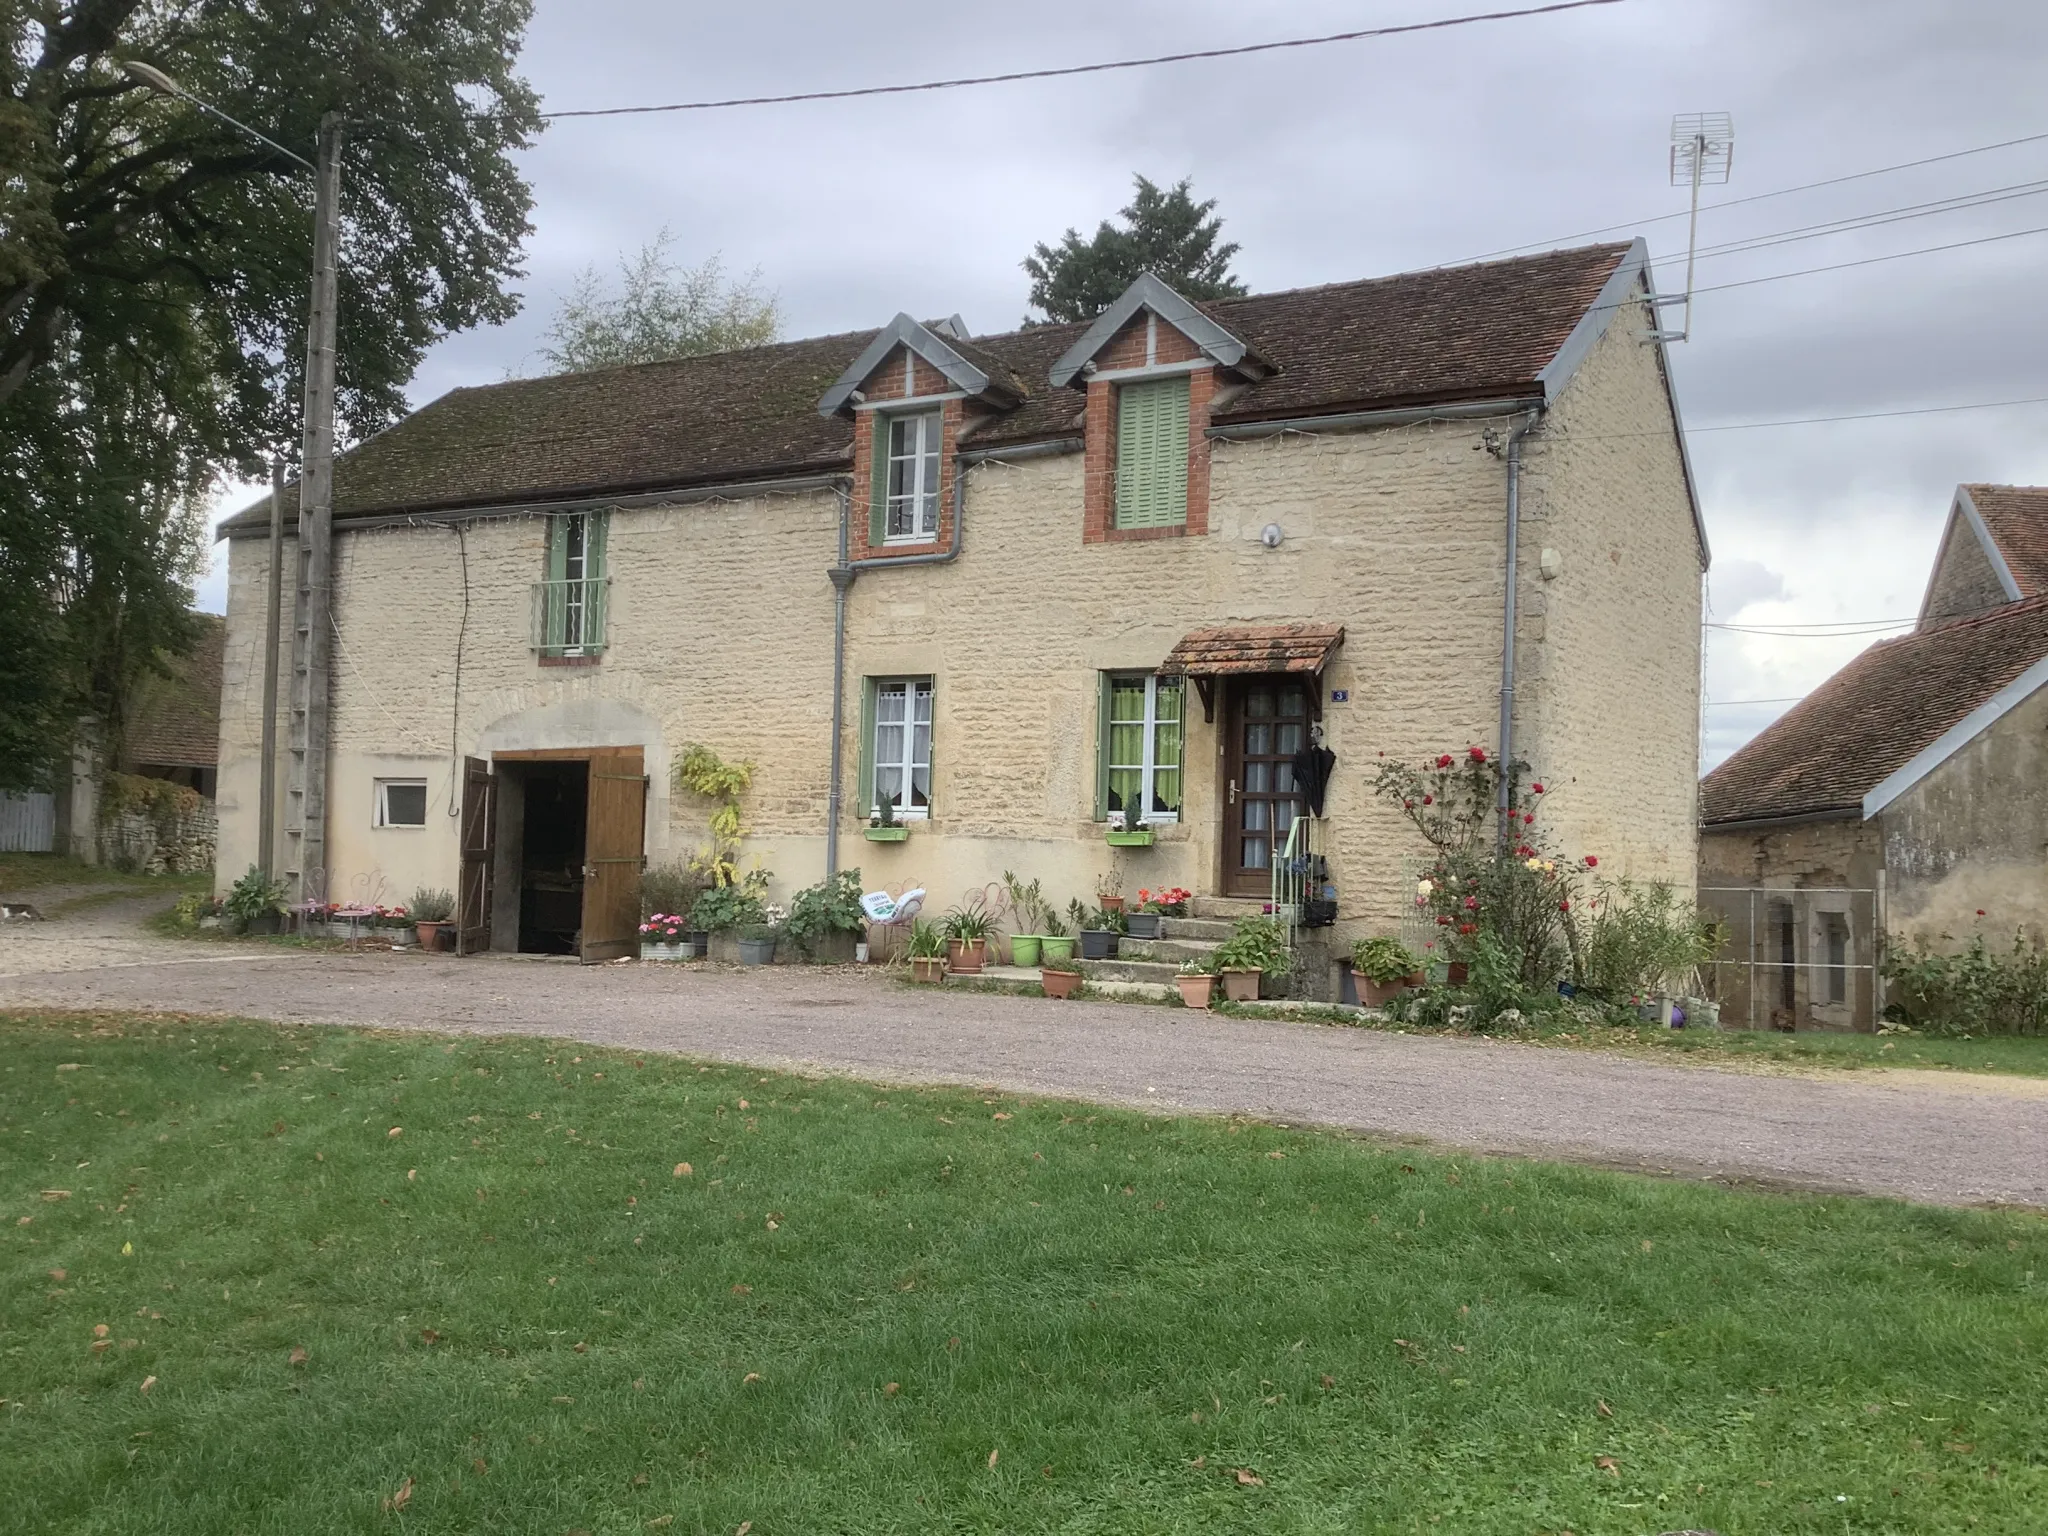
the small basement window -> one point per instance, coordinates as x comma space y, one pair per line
401, 802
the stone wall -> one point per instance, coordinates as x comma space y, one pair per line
178, 844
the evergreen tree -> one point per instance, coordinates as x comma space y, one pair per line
1166, 233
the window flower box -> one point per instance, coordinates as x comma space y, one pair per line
895, 833
1140, 837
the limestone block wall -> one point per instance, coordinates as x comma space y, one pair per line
1609, 650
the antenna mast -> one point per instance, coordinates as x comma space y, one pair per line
1702, 155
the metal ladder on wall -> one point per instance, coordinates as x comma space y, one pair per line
298, 718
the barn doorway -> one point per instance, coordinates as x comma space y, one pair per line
553, 825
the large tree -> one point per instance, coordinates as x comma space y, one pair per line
154, 267
660, 310
1166, 233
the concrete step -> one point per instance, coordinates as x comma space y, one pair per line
1024, 978
1227, 908
1172, 951
1213, 928
1158, 972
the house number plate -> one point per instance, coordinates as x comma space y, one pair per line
1340, 695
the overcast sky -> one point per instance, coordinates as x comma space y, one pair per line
1364, 158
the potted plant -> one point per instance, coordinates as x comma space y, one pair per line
1387, 967
1098, 930
883, 827
1109, 897
756, 941
1027, 903
1154, 908
927, 951
1055, 944
724, 908
664, 936
1059, 980
967, 928
431, 910
255, 904
1255, 949
826, 920
1197, 983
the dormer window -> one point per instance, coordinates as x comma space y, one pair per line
913, 442
1152, 453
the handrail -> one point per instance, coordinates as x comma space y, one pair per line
1287, 882
569, 615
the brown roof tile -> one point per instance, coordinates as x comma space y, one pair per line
1254, 648
174, 721
2017, 516
1874, 716
1456, 333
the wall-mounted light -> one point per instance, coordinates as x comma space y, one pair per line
1271, 535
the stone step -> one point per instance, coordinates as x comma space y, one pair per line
1172, 951
1158, 972
1215, 928
1024, 978
1227, 908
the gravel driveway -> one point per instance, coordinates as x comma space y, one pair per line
1929, 1138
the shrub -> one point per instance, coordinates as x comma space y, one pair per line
253, 896
725, 907
831, 906
432, 906
671, 888
1256, 944
1641, 940
1976, 992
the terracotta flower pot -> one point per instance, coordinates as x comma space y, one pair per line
1377, 994
1455, 973
966, 956
930, 969
1112, 903
1059, 983
1241, 986
1195, 991
429, 934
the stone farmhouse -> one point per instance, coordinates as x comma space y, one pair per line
1070, 600
1908, 792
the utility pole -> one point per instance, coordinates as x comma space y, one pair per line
266, 798
313, 632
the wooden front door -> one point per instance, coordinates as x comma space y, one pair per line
1268, 719
615, 830
479, 850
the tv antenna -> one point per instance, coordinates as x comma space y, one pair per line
1702, 155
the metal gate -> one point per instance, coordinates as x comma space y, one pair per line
1797, 957
28, 823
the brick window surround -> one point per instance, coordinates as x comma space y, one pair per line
889, 382
1146, 341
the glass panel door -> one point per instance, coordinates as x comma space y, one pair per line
1269, 725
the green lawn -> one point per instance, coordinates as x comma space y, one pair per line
868, 1310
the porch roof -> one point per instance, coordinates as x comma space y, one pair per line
1236, 650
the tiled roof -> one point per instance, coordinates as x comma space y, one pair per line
1254, 648
1874, 716
174, 721
2017, 516
1457, 333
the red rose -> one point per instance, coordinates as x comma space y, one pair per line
1471, 903
1407, 805
1443, 922
1468, 927
1535, 789
1431, 800
1980, 911
1564, 906
1444, 761
1591, 862
1527, 817
1478, 754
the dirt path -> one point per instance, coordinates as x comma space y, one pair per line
1869, 1133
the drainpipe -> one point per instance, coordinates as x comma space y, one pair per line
844, 573
1507, 634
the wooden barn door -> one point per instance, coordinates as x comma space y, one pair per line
479, 852
615, 830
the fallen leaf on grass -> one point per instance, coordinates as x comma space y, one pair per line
992, 1455
582, 1348
148, 1382
1329, 1382
411, 1174
1608, 1465
745, 1526
1602, 1409
101, 1346
1960, 1447
396, 1130
429, 1336
100, 1330
1199, 1462
745, 1105
397, 1502
660, 1522
891, 1388
561, 1399
56, 1194
298, 1356
743, 1290
683, 1171
751, 1376
1247, 1478
22, 1221
999, 1115
1276, 1156
57, 1275
69, 1066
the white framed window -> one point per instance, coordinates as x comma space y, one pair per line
900, 746
913, 477
1141, 747
401, 803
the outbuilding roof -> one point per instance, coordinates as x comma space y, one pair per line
2016, 516
174, 719
1887, 717
1489, 331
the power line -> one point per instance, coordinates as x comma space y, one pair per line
1810, 632
1790, 698
1086, 69
1871, 261
1755, 197
1883, 216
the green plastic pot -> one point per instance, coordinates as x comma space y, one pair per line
1024, 948
1056, 949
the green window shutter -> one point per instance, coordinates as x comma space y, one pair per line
1152, 454
1102, 711
594, 532
864, 785
878, 487
554, 610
